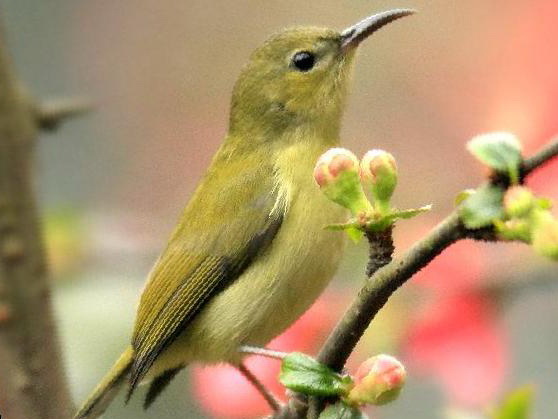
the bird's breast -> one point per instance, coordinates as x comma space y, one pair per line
284, 281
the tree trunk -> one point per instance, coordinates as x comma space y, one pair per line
32, 382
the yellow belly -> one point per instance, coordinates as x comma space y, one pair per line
273, 292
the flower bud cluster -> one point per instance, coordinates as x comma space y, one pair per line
528, 218
340, 175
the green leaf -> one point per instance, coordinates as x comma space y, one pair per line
304, 374
386, 221
374, 221
353, 230
516, 405
341, 410
483, 207
355, 234
500, 151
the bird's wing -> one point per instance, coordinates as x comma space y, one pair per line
225, 227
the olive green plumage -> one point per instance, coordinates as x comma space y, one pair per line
106, 390
249, 254
220, 233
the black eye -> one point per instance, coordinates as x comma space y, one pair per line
304, 60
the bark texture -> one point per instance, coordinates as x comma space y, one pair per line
32, 382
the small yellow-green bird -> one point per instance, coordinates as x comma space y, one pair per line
250, 253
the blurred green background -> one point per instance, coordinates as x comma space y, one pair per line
112, 184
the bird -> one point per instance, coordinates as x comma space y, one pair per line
250, 253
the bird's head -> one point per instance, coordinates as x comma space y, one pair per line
300, 77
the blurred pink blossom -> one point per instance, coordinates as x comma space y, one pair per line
459, 341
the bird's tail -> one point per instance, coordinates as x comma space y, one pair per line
107, 389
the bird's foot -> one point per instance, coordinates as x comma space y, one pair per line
255, 350
269, 397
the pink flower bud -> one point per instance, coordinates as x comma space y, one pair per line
378, 380
378, 169
518, 201
336, 173
332, 163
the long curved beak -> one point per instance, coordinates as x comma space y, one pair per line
354, 35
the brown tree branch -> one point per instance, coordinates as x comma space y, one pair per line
32, 382
541, 158
387, 279
380, 286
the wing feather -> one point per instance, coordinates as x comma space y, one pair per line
223, 231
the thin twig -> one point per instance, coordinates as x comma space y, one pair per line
268, 353
380, 286
262, 389
546, 154
380, 249
380, 253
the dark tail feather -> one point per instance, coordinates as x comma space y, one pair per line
159, 384
107, 389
